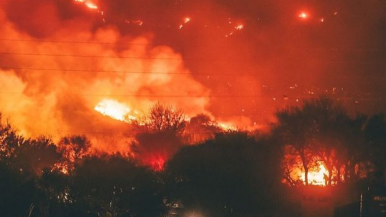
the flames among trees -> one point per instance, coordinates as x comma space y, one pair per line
160, 132
165, 129
159, 135
321, 139
70, 177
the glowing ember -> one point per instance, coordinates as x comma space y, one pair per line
239, 27
91, 5
61, 167
115, 110
138, 22
135, 22
88, 4
303, 15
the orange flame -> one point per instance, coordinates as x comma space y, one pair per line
88, 4
91, 5
316, 176
115, 110
227, 126
157, 163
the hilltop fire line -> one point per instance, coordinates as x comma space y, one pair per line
157, 157
318, 175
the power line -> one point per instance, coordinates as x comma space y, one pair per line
172, 58
116, 71
144, 95
147, 44
71, 42
115, 57
274, 98
160, 73
88, 56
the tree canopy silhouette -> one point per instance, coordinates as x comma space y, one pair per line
231, 175
160, 136
321, 132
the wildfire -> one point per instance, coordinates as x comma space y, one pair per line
227, 127
294, 172
316, 176
122, 112
115, 110
157, 163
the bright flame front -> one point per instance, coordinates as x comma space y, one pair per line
316, 176
115, 110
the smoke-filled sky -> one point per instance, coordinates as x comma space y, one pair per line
236, 60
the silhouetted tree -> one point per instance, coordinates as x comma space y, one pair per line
294, 128
9, 139
160, 136
54, 195
375, 132
73, 148
17, 192
200, 128
165, 118
33, 155
321, 131
231, 175
114, 186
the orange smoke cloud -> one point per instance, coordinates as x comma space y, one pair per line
52, 85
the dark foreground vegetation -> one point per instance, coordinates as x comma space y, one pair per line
230, 174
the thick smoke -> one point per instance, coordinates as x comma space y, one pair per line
278, 59
55, 92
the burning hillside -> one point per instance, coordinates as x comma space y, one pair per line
66, 62
52, 86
